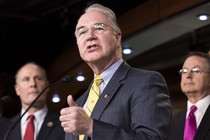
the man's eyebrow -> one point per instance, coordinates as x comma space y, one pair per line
196, 66
78, 28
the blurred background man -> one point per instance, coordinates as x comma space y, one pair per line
195, 84
31, 79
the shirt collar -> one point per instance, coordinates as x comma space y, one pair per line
109, 72
202, 104
39, 115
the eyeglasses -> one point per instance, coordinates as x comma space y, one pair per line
195, 70
98, 28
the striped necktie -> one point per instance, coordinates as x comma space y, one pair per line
93, 97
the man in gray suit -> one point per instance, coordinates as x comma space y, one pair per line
133, 104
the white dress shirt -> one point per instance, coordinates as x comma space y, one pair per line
38, 121
202, 106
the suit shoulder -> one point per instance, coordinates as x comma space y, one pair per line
143, 71
146, 74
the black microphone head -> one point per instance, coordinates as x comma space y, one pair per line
6, 99
66, 79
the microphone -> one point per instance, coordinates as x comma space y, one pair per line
64, 80
5, 99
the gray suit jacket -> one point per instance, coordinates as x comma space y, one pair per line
134, 105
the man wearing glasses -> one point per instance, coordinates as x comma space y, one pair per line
193, 123
124, 103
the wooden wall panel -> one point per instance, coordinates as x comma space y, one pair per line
170, 7
140, 17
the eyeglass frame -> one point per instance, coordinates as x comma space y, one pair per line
93, 28
194, 70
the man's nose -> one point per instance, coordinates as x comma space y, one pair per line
32, 82
90, 35
189, 74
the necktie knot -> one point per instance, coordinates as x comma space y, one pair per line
193, 108
31, 117
98, 80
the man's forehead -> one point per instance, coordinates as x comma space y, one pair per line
196, 60
92, 17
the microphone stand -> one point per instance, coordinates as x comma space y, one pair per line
65, 80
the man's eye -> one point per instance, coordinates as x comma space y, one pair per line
184, 71
196, 70
82, 33
25, 79
99, 28
39, 78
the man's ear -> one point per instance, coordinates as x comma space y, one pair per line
17, 90
119, 37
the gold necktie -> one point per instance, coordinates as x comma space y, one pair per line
93, 97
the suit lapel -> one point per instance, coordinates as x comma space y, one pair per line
181, 124
204, 127
110, 90
47, 126
177, 125
15, 132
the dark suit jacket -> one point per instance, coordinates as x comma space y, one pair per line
51, 128
4, 124
134, 105
178, 122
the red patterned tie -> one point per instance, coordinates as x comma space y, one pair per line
29, 133
190, 124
